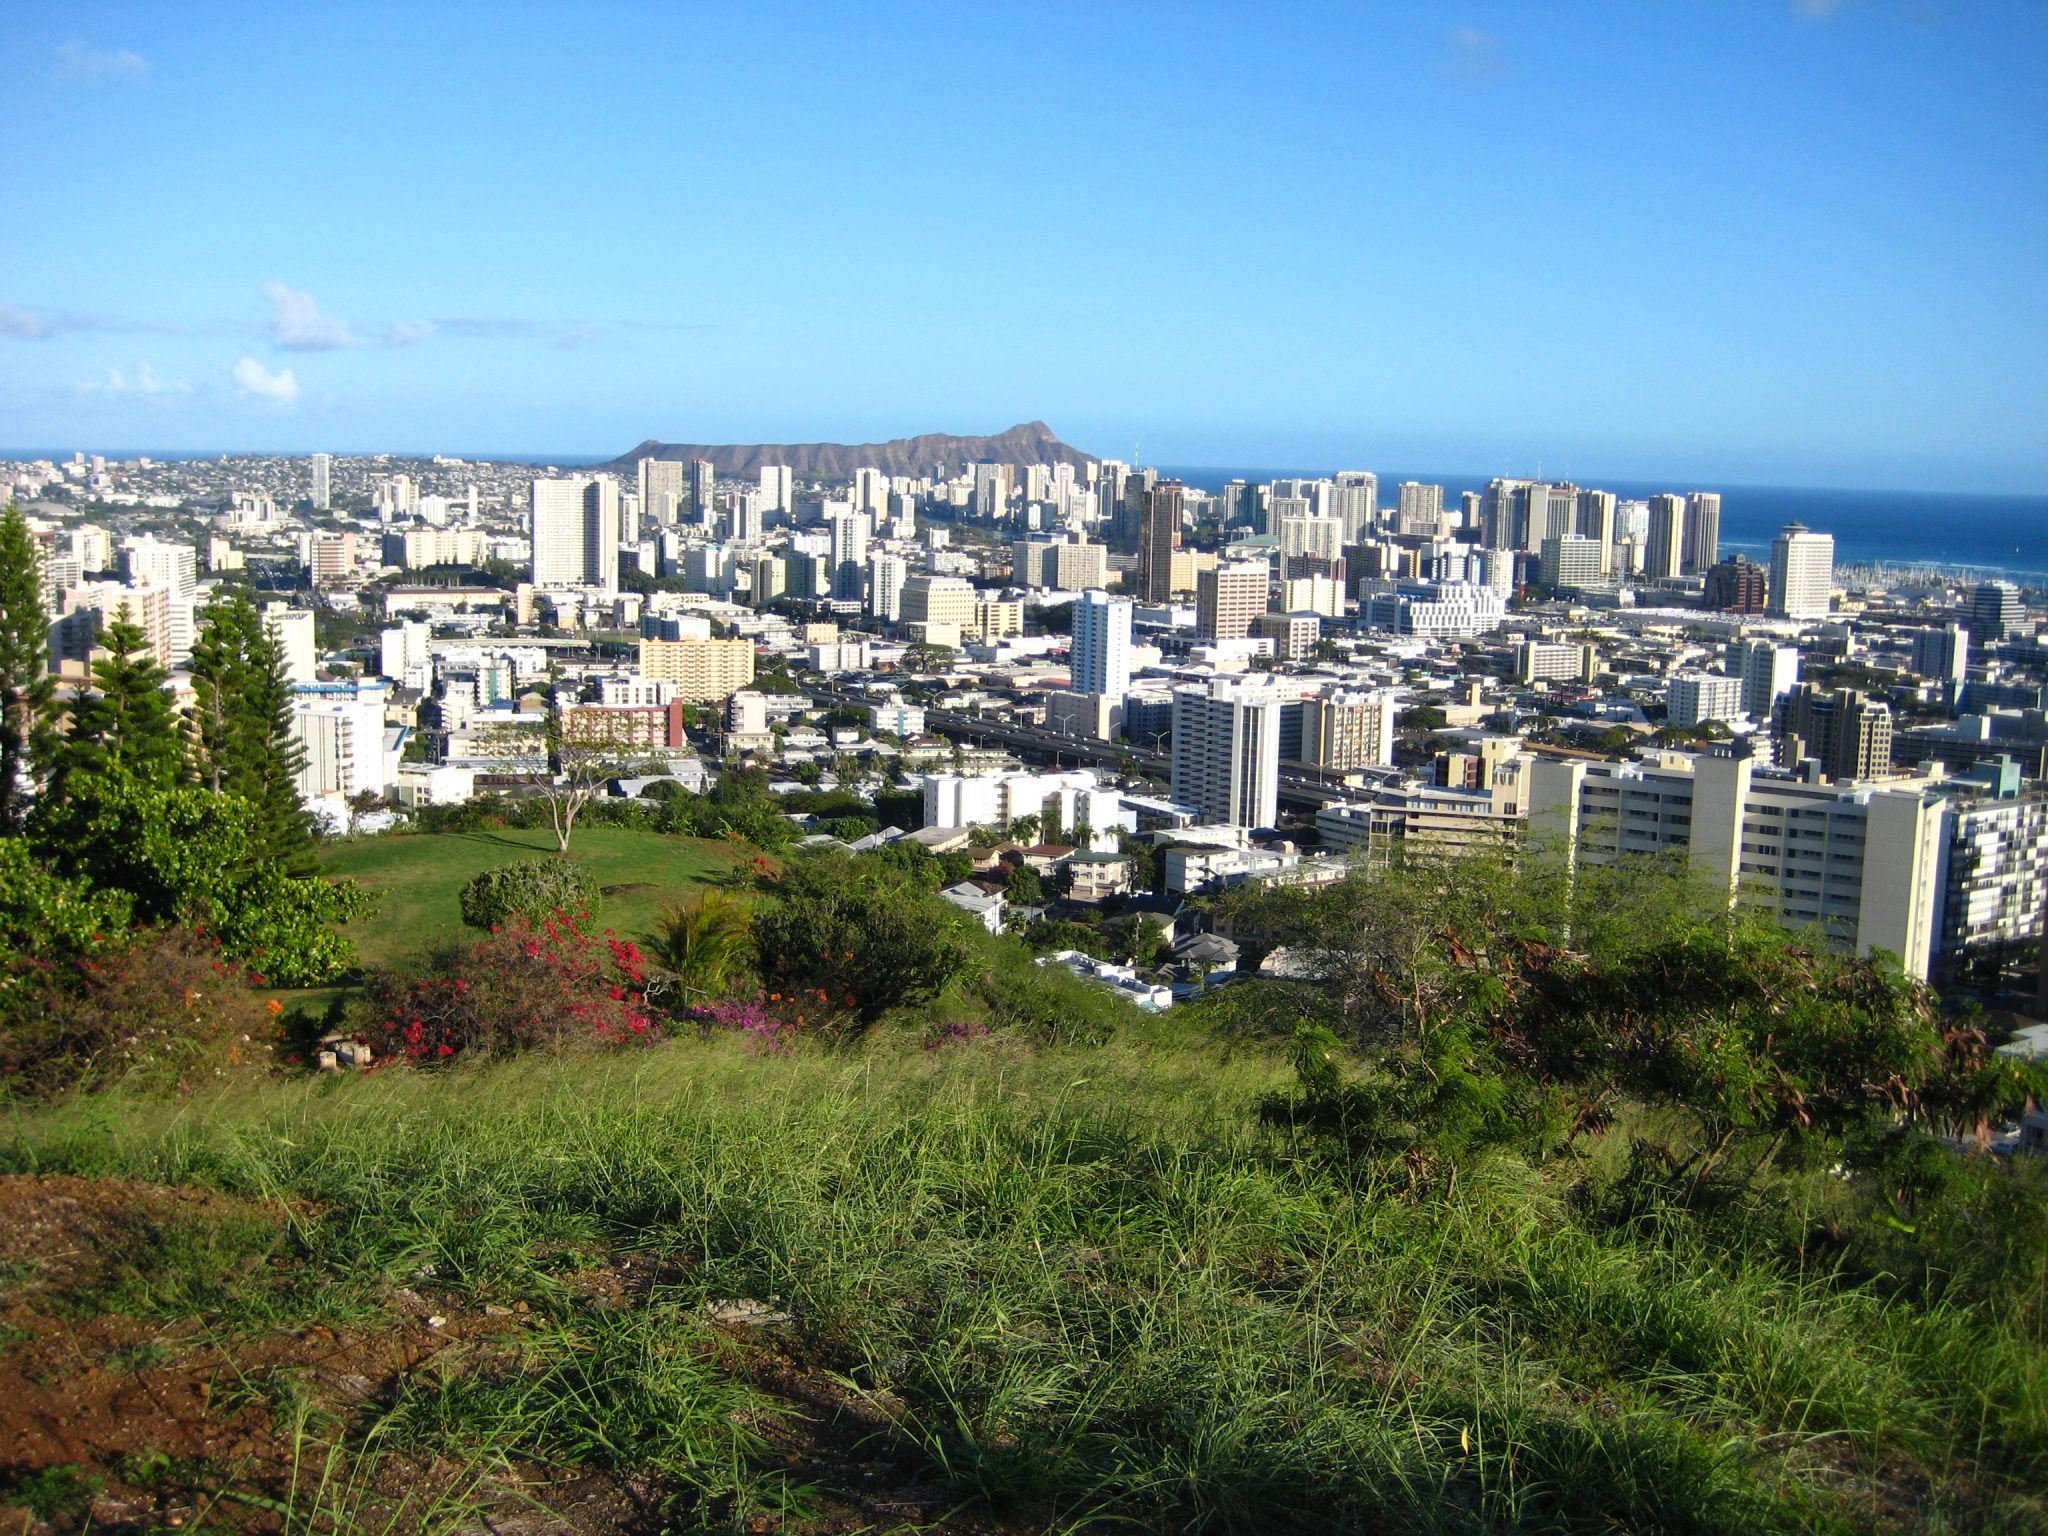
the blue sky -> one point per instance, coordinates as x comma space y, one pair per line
1782, 241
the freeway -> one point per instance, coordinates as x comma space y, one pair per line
1296, 788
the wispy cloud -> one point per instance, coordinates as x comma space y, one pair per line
26, 323
410, 333
1474, 56
145, 381
1816, 10
297, 324
258, 382
75, 61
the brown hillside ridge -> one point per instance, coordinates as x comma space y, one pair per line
1030, 442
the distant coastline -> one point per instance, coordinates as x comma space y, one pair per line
1932, 530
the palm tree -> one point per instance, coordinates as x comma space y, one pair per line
707, 941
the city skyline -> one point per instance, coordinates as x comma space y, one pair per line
1760, 245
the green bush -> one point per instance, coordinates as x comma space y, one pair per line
532, 891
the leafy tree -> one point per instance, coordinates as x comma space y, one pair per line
928, 658
25, 683
533, 891
1025, 888
185, 855
242, 726
870, 943
1025, 828
44, 914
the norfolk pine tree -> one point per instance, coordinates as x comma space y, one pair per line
241, 734
25, 684
123, 726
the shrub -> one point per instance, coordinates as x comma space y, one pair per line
158, 1009
532, 892
549, 986
841, 927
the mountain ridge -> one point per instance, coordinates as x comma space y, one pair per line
1030, 442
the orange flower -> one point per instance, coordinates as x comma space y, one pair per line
273, 1006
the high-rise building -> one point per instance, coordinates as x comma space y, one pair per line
1694, 698
702, 670
703, 491
1349, 729
1226, 751
849, 554
1768, 671
886, 575
1571, 563
1159, 537
1595, 520
1229, 597
1664, 557
1702, 532
1848, 733
778, 490
1100, 657
149, 561
575, 530
663, 487
1943, 655
323, 469
1356, 502
938, 600
1737, 585
1420, 509
1802, 573
1994, 612
870, 491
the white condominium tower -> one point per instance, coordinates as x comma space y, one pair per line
1802, 573
575, 527
1226, 751
778, 489
1100, 661
323, 469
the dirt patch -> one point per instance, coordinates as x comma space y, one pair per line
147, 1420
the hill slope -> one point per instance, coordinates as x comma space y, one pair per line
1030, 442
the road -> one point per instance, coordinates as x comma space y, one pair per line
1296, 789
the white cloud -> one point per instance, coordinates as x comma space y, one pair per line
1816, 10
150, 382
408, 333
253, 379
1475, 56
75, 61
16, 321
296, 322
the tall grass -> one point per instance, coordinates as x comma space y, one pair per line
1094, 1290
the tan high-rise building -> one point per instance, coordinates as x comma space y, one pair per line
664, 489
1229, 598
938, 600
1347, 730
702, 670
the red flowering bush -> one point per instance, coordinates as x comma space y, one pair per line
545, 987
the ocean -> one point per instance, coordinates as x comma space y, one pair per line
2003, 536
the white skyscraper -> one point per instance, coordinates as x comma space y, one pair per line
575, 528
849, 556
323, 468
870, 491
662, 490
778, 489
1665, 558
886, 575
1226, 751
1802, 574
1100, 660
1768, 671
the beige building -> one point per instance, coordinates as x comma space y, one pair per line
702, 670
1348, 730
1228, 598
1861, 864
939, 600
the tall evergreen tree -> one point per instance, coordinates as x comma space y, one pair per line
242, 726
25, 683
123, 726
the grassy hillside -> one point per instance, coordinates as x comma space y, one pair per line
417, 879
987, 1287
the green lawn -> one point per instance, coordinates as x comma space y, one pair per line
418, 878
